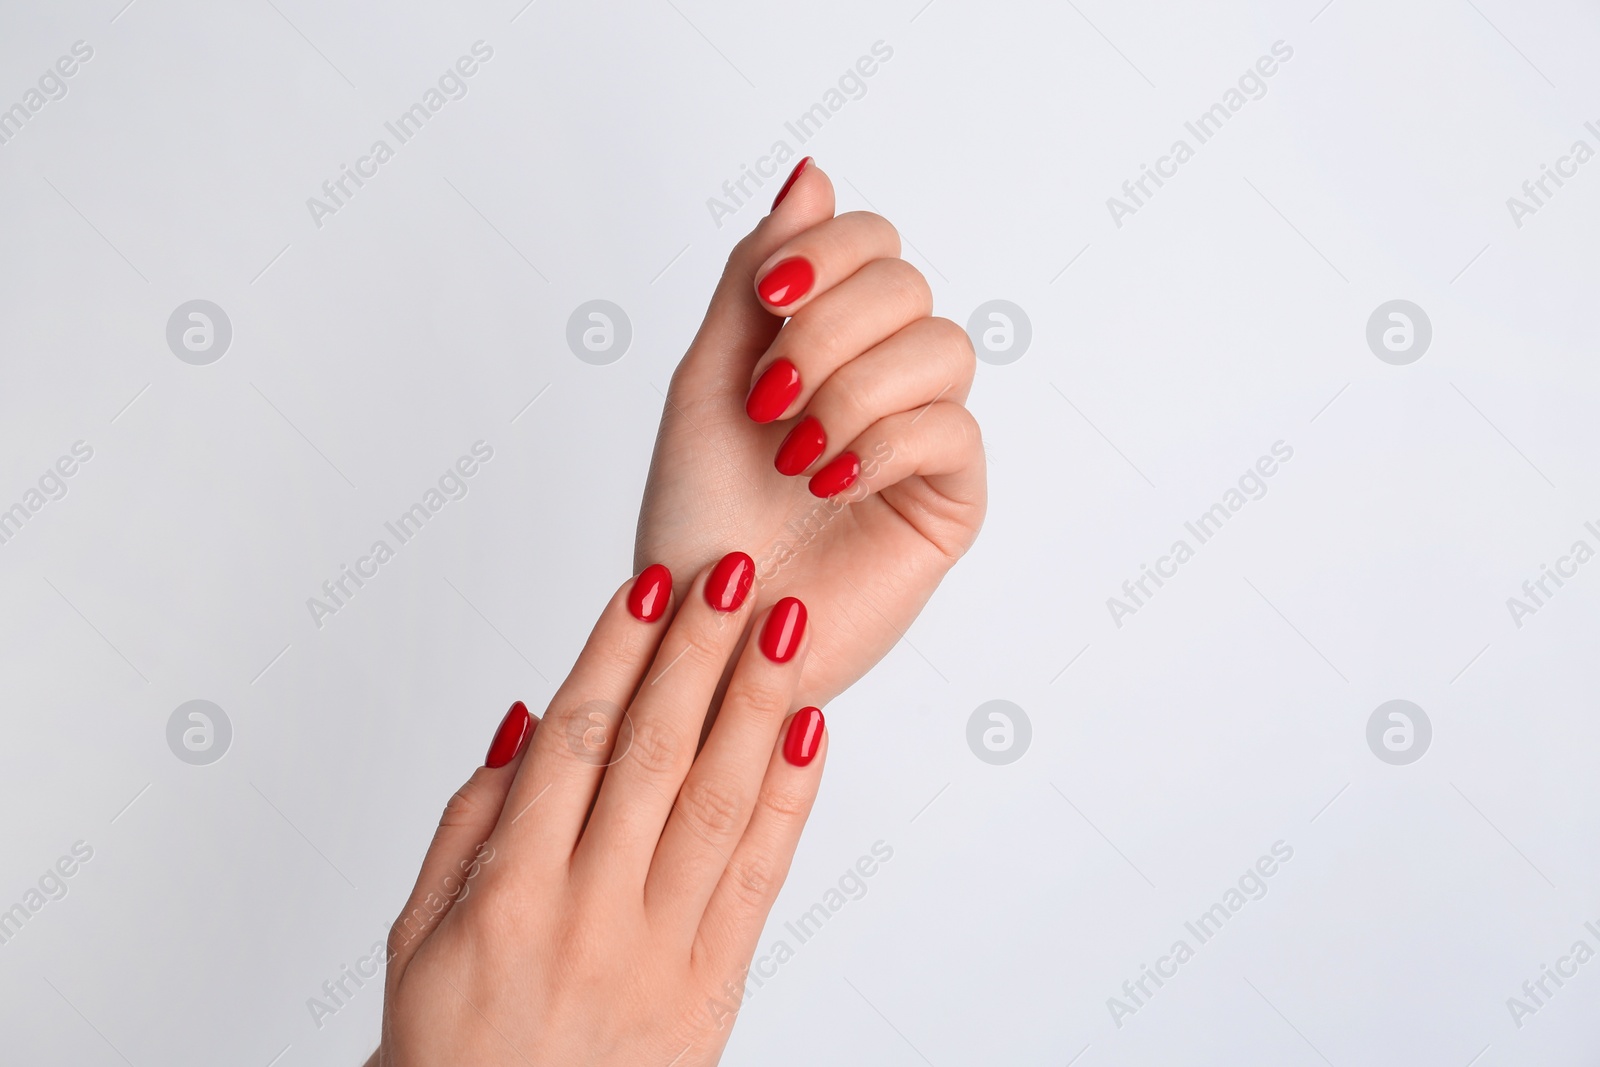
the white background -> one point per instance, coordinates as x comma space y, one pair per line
1227, 314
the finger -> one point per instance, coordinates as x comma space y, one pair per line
928, 361
737, 328
864, 309
818, 259
459, 847
663, 727
714, 805
739, 905
566, 759
938, 448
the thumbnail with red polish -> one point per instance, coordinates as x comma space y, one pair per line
508, 739
839, 475
787, 282
729, 581
785, 626
804, 738
801, 448
773, 392
788, 183
651, 591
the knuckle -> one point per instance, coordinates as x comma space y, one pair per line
713, 805
787, 804
746, 255
754, 882
764, 702
467, 805
907, 286
875, 224
655, 749
851, 396
951, 337
818, 335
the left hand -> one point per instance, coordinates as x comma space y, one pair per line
614, 925
870, 370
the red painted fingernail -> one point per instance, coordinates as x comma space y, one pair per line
839, 475
787, 282
788, 183
650, 593
801, 448
773, 392
730, 580
785, 626
514, 730
800, 745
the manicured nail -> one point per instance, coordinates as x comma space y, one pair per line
785, 626
508, 740
773, 392
788, 183
729, 582
801, 448
787, 282
839, 475
650, 593
804, 737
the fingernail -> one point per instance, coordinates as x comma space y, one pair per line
839, 475
773, 392
729, 582
650, 593
788, 183
804, 737
787, 282
509, 738
785, 626
801, 448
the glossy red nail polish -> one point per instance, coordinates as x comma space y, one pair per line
804, 738
788, 183
651, 591
787, 282
773, 392
729, 581
839, 475
801, 448
785, 626
509, 738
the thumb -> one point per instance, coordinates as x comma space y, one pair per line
459, 850
737, 329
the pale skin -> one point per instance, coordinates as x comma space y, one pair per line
596, 900
884, 377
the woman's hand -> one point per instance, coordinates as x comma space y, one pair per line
836, 449
594, 895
